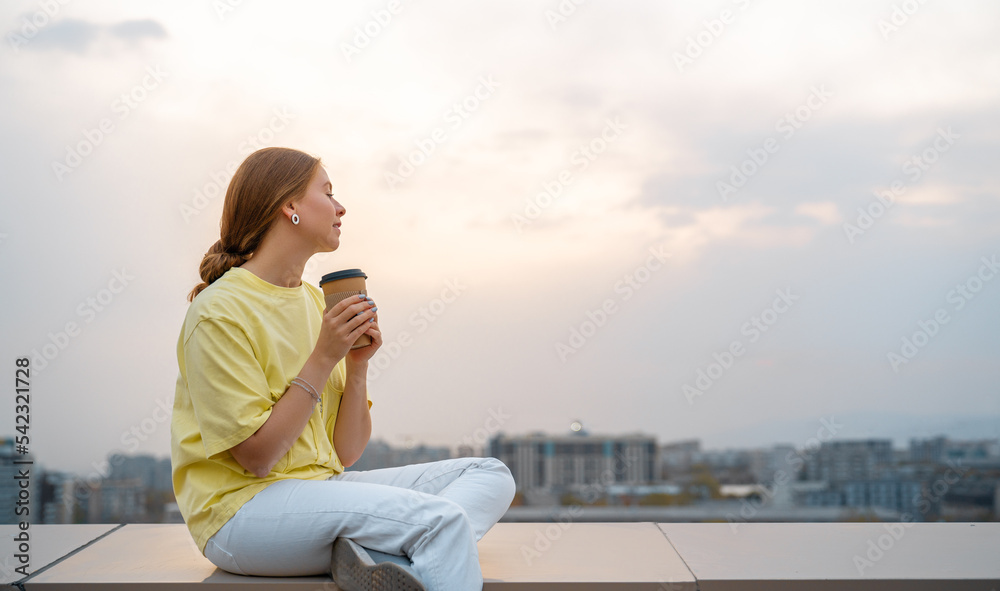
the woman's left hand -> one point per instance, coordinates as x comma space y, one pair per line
363, 354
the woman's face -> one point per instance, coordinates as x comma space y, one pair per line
319, 213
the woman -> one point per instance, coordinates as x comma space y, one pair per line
272, 403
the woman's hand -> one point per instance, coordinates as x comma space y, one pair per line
363, 354
343, 324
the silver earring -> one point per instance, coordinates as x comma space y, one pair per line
295, 219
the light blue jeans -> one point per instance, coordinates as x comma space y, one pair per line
427, 517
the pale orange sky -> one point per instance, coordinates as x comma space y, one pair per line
594, 109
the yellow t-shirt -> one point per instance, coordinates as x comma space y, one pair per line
242, 343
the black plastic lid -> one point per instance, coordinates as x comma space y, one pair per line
342, 275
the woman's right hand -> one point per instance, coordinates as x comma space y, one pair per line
343, 324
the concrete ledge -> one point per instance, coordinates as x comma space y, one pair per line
566, 556
571, 555
827, 557
48, 545
146, 557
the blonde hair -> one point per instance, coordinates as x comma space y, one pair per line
260, 187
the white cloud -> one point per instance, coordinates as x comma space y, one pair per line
826, 212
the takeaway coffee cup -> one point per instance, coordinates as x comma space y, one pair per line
341, 284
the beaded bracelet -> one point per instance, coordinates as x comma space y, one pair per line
309, 390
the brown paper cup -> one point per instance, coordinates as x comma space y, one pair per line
342, 284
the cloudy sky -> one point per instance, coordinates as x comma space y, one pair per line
690, 219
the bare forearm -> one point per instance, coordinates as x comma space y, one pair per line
354, 423
261, 451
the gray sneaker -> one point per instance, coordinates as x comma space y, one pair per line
354, 570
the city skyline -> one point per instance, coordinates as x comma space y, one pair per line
830, 479
826, 429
